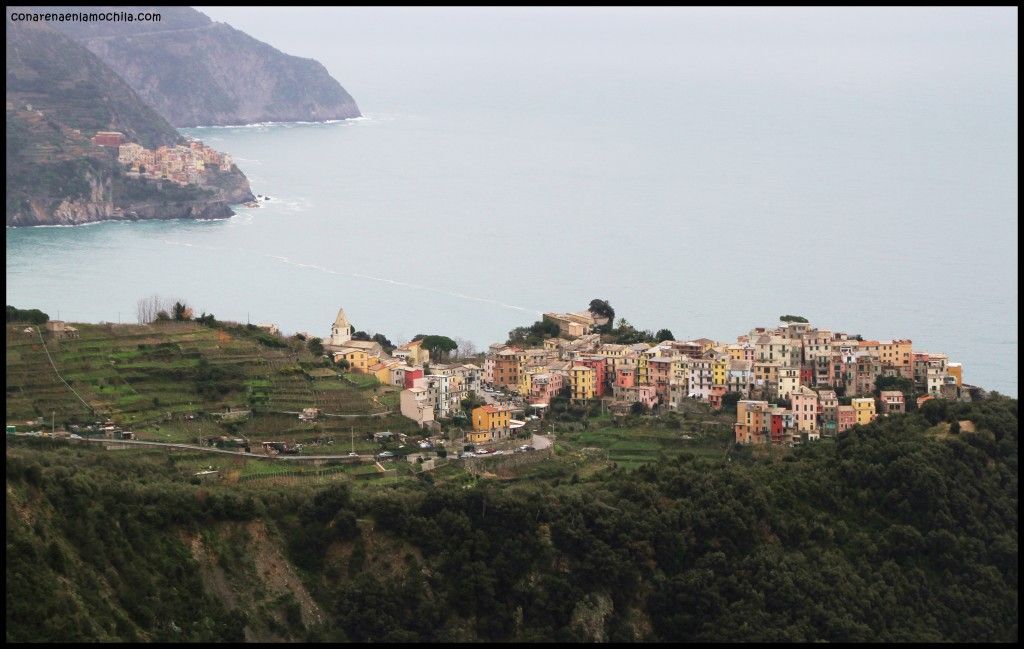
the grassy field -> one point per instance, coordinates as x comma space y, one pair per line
148, 378
646, 440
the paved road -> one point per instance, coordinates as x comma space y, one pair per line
541, 441
210, 449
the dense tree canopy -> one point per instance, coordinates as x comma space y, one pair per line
32, 316
534, 335
602, 309
895, 531
438, 346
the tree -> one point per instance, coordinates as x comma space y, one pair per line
438, 346
148, 307
729, 401
535, 334
627, 334
901, 383
663, 335
361, 335
385, 344
162, 316
34, 316
602, 309
466, 348
792, 318
315, 346
182, 311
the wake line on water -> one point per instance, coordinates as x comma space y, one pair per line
384, 280
361, 118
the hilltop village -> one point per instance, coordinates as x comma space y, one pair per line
788, 384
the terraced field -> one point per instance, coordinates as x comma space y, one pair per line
150, 377
630, 447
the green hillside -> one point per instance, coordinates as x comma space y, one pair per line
173, 381
896, 531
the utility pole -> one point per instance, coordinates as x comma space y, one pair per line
53, 425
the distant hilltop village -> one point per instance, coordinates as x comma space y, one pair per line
179, 163
789, 383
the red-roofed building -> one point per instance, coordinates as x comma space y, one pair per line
108, 138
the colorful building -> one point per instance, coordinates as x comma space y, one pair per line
846, 417
490, 417
956, 370
805, 409
892, 402
789, 380
864, 408
581, 382
600, 366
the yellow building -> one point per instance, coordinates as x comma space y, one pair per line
526, 379
581, 382
864, 409
720, 370
358, 360
680, 372
383, 373
956, 370
642, 377
412, 353
487, 419
898, 354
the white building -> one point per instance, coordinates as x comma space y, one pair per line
341, 331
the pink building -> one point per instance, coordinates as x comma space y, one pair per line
544, 386
845, 418
659, 372
645, 394
805, 408
715, 395
892, 401
625, 377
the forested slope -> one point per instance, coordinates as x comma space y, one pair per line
896, 531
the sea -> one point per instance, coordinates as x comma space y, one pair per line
704, 170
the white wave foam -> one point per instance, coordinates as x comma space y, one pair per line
70, 225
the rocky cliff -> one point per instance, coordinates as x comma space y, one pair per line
58, 95
196, 72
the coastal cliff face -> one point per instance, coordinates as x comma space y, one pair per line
59, 95
110, 196
197, 72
